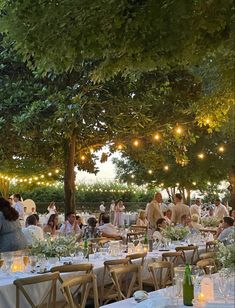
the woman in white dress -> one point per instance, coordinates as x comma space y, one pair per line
119, 208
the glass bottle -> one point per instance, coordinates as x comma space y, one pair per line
188, 288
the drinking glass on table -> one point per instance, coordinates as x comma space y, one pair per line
33, 261
224, 284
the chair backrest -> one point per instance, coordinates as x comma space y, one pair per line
205, 263
207, 255
161, 273
173, 256
211, 246
68, 268
108, 265
49, 296
193, 249
85, 283
120, 274
136, 256
136, 228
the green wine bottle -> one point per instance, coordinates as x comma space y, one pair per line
188, 288
145, 239
85, 249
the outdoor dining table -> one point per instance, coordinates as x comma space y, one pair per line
8, 290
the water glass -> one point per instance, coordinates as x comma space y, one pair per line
33, 262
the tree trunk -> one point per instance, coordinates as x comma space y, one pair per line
188, 191
232, 186
4, 187
69, 175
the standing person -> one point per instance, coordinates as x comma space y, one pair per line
112, 211
220, 209
179, 209
11, 236
102, 207
119, 208
196, 208
19, 207
154, 212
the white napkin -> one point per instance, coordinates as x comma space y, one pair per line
157, 301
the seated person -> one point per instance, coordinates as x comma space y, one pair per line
183, 221
167, 217
142, 220
32, 231
161, 224
107, 229
195, 222
91, 231
70, 225
79, 220
52, 225
226, 230
37, 219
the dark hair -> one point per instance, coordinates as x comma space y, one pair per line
218, 199
31, 220
8, 211
160, 221
105, 219
91, 222
178, 196
100, 218
36, 216
18, 196
229, 221
52, 219
119, 200
77, 217
69, 213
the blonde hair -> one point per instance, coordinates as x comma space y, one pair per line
142, 214
195, 218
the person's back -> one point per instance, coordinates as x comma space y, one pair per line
32, 232
179, 210
11, 236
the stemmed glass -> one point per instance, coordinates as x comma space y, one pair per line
33, 261
223, 284
8, 261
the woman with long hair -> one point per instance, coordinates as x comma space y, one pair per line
119, 208
52, 225
11, 235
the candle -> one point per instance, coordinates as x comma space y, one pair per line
201, 297
207, 288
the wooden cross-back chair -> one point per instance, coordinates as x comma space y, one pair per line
137, 256
193, 249
161, 273
206, 263
132, 271
85, 268
135, 228
174, 257
208, 255
48, 299
86, 283
108, 291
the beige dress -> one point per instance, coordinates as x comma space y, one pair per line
154, 213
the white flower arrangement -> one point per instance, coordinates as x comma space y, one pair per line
210, 221
60, 246
226, 253
176, 233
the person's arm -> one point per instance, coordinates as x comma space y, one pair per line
219, 231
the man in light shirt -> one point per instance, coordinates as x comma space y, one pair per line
179, 209
220, 210
111, 211
107, 229
70, 225
19, 207
196, 208
154, 211
102, 207
226, 230
32, 232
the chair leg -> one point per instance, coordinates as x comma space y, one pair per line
96, 302
17, 298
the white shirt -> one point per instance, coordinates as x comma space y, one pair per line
67, 228
32, 233
109, 229
102, 208
195, 209
221, 211
112, 207
20, 209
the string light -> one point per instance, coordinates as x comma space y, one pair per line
166, 168
50, 174
194, 183
207, 121
42, 176
201, 155
177, 184
157, 137
119, 147
221, 149
136, 143
150, 171
179, 130
57, 171
91, 150
132, 176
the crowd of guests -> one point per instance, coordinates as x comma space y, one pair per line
15, 234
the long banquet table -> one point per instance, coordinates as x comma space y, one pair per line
8, 291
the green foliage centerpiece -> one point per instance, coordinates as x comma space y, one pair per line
226, 254
210, 221
59, 246
176, 233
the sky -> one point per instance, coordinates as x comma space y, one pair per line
106, 174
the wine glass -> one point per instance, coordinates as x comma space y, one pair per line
224, 284
33, 262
